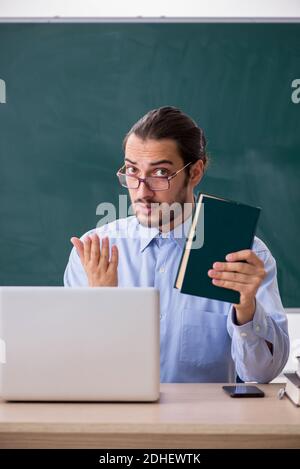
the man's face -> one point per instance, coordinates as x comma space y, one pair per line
156, 158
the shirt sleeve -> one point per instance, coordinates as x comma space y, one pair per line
253, 359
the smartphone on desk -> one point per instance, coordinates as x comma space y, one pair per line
240, 390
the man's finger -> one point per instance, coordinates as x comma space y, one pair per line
104, 257
95, 248
232, 276
241, 267
78, 245
245, 255
113, 265
87, 249
237, 286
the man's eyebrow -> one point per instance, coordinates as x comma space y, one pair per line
154, 163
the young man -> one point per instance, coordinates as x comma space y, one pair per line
202, 340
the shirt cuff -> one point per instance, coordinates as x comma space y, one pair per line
252, 330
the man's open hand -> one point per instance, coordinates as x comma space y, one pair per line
100, 270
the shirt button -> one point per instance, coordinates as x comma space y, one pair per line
161, 270
244, 334
160, 316
257, 328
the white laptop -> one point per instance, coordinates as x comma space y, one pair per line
79, 344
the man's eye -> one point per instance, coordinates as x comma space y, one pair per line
161, 172
130, 170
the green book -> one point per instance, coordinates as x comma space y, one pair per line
219, 226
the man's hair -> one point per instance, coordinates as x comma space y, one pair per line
170, 122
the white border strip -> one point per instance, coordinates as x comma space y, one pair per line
140, 19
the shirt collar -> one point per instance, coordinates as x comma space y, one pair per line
146, 235
178, 234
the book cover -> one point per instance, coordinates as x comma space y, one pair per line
224, 226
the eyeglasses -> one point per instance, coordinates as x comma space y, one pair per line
155, 183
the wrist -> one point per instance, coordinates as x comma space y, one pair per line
245, 313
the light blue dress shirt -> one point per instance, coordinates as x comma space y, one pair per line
200, 341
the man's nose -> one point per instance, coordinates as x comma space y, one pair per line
143, 191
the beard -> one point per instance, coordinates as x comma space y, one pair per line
162, 215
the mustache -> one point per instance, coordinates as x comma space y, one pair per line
146, 202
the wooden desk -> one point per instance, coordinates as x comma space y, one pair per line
187, 416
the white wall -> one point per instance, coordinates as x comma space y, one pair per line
131, 8
293, 315
294, 332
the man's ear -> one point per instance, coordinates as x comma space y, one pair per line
196, 172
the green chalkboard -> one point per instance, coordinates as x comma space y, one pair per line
73, 91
